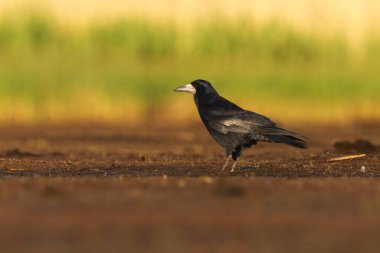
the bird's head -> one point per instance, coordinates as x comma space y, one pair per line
197, 88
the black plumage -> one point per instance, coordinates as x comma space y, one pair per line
233, 127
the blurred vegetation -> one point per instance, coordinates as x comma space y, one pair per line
125, 70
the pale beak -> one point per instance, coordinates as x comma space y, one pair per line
189, 88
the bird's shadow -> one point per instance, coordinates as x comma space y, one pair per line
243, 170
247, 167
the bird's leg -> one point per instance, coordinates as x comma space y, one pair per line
233, 166
225, 165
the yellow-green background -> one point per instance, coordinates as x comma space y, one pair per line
118, 61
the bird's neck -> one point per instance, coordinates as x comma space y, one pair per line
205, 99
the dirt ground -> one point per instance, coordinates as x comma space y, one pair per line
96, 188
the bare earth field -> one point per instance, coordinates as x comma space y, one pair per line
100, 188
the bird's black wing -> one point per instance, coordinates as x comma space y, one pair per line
241, 122
227, 118
257, 127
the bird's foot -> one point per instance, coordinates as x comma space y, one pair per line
234, 165
225, 165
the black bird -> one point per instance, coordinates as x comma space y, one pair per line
233, 127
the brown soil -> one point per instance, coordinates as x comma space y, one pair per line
158, 189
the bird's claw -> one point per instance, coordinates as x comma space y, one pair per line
225, 165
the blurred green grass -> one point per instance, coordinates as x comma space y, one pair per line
125, 70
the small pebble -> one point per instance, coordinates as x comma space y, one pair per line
207, 180
142, 157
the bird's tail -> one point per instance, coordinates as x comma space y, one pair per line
280, 135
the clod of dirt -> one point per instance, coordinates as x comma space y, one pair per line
18, 153
230, 190
51, 191
358, 146
142, 157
